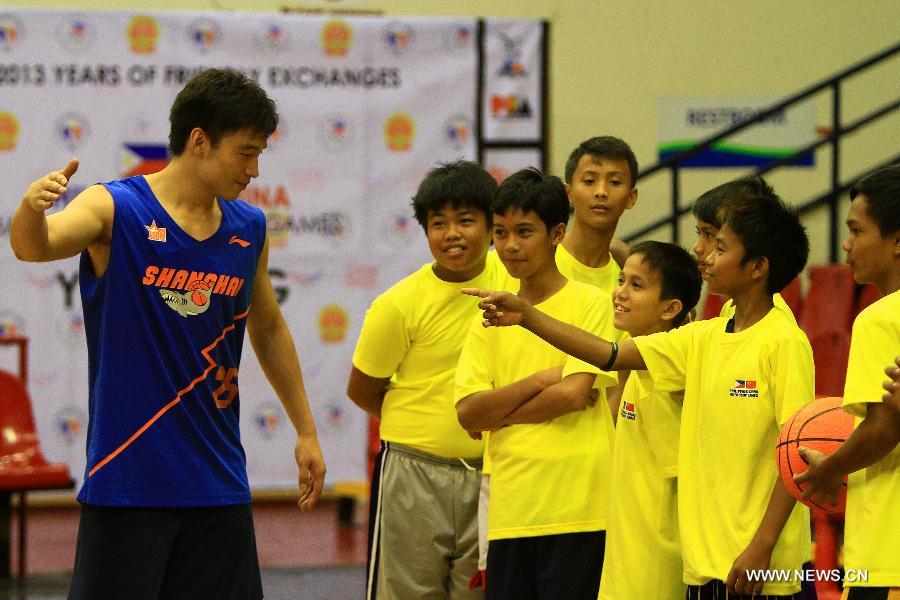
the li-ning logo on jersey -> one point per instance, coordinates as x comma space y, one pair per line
236, 240
628, 411
189, 292
154, 233
744, 388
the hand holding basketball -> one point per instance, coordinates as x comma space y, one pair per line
822, 486
814, 431
41, 194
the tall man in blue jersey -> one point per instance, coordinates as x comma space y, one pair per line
173, 271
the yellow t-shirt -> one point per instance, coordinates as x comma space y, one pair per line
548, 478
604, 278
643, 552
872, 522
414, 333
739, 389
777, 300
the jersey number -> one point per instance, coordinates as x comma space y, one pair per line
225, 393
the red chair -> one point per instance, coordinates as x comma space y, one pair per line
830, 353
830, 301
713, 305
22, 465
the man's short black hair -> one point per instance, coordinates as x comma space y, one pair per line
679, 277
604, 146
220, 102
881, 189
706, 208
531, 190
461, 183
768, 227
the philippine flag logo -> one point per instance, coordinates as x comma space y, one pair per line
143, 159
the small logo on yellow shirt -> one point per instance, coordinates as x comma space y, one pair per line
628, 411
744, 388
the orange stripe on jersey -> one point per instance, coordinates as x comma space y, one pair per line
212, 365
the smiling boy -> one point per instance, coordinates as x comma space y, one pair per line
402, 374
658, 288
742, 377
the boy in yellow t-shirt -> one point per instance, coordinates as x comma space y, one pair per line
658, 288
872, 521
600, 183
402, 374
743, 377
549, 445
707, 222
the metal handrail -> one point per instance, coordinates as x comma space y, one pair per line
674, 163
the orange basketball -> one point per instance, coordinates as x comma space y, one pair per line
820, 425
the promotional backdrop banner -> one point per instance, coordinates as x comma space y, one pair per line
368, 106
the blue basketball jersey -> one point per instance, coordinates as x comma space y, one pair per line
165, 324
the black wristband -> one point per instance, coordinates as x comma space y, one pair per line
613, 353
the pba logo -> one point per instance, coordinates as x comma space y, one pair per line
70, 424
459, 131
10, 32
72, 129
399, 132
143, 159
9, 131
510, 107
269, 419
399, 37
460, 37
76, 33
628, 411
337, 37
335, 133
272, 37
204, 34
512, 65
333, 324
143, 34
11, 324
744, 388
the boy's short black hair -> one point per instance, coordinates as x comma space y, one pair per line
882, 191
604, 146
767, 227
531, 190
220, 102
706, 207
679, 277
461, 183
